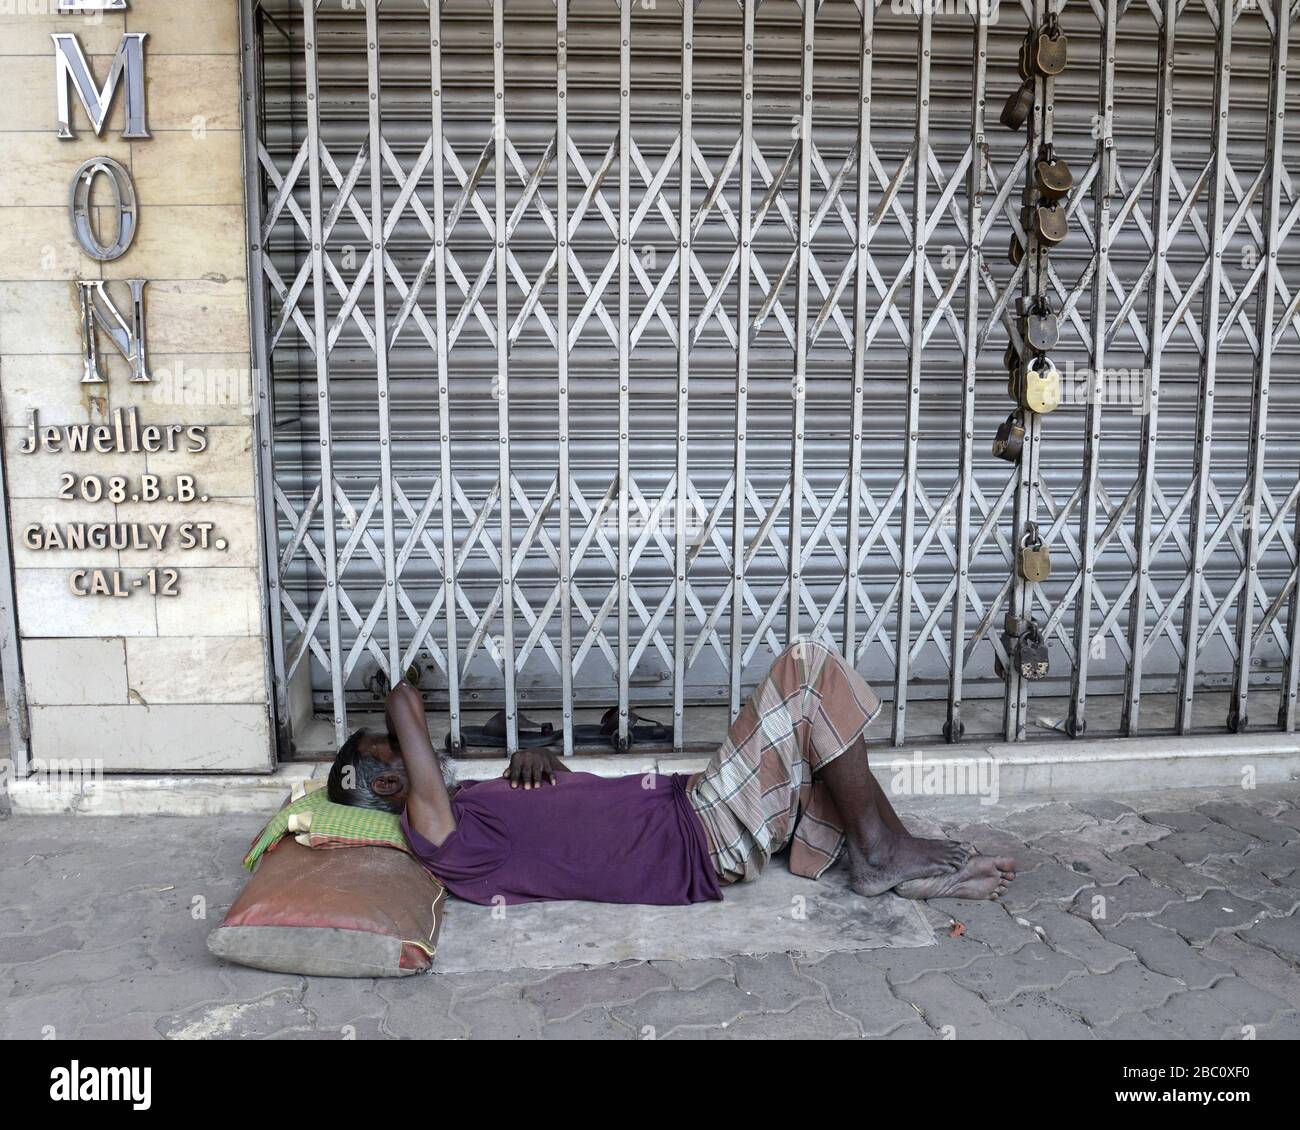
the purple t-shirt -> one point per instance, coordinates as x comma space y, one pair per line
600, 839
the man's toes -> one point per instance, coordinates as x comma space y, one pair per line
958, 849
982, 889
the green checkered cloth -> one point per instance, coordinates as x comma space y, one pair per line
331, 825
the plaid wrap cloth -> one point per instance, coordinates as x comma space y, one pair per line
317, 822
758, 793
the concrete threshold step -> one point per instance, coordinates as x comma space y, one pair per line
983, 774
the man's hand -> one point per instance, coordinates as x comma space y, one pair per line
530, 767
406, 694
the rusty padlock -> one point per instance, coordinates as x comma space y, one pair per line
1052, 175
1051, 222
1019, 104
1013, 627
1009, 442
1040, 326
1011, 362
1031, 654
1050, 49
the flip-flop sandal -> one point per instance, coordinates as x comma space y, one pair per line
606, 733
492, 734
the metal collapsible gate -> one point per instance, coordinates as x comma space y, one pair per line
606, 348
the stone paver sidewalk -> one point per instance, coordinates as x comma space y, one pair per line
1164, 916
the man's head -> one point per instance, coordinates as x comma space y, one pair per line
368, 773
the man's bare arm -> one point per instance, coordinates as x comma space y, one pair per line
428, 805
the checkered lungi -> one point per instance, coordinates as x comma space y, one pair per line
758, 793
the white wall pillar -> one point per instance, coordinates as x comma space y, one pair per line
146, 682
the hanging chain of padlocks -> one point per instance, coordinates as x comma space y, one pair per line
1033, 381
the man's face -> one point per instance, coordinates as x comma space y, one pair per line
391, 784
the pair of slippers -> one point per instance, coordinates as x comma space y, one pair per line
532, 735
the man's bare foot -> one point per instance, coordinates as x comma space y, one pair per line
981, 877
900, 858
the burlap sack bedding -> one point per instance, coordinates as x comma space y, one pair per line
366, 910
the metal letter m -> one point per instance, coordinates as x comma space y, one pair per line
72, 71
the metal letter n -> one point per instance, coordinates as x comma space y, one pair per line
100, 313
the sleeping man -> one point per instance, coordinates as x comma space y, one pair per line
792, 772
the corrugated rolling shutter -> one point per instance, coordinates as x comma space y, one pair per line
908, 57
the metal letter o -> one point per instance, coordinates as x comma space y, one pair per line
84, 226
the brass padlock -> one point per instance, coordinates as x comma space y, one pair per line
1011, 358
1053, 175
1035, 560
1015, 250
1018, 106
1022, 57
1040, 326
1040, 387
1032, 657
1049, 53
1010, 439
1051, 222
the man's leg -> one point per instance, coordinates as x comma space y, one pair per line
883, 855
795, 755
881, 852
